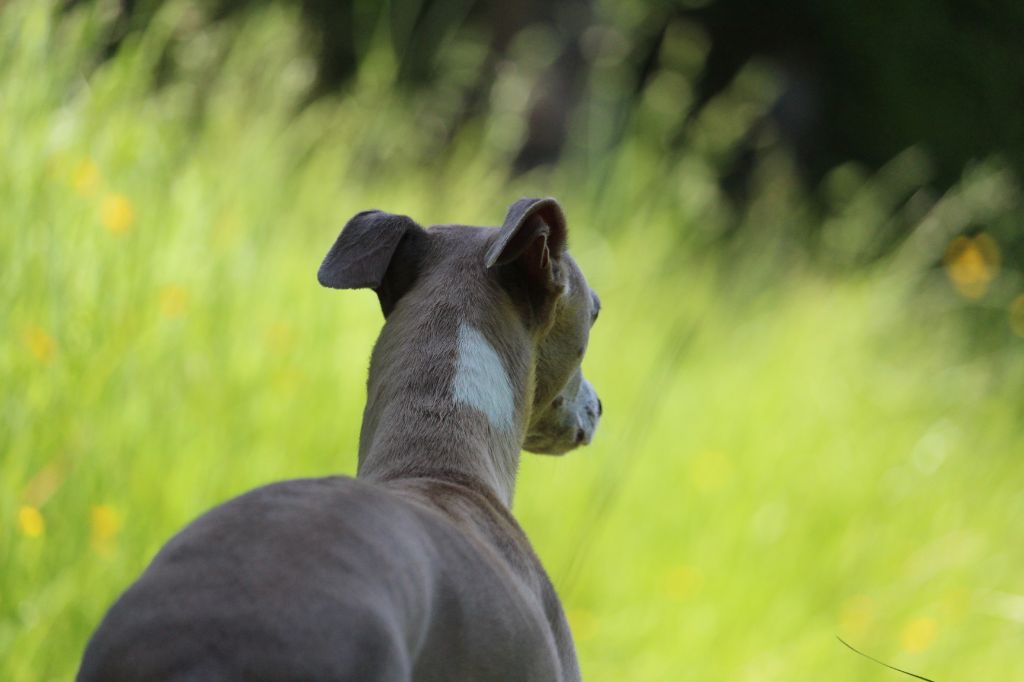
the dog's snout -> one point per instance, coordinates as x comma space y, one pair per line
568, 421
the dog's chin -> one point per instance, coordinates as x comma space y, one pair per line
546, 445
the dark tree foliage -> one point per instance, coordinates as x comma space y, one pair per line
860, 81
867, 80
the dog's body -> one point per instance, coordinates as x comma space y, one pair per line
415, 570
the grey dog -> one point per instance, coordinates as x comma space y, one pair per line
415, 569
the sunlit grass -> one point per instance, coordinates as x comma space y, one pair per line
786, 455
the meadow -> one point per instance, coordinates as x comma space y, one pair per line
790, 451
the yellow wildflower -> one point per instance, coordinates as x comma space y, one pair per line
173, 301
280, 337
85, 178
117, 213
1017, 315
105, 524
919, 634
710, 471
227, 229
971, 264
40, 344
31, 522
856, 616
682, 582
583, 624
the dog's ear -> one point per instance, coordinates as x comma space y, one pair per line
375, 250
533, 235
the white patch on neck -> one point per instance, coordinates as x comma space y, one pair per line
481, 381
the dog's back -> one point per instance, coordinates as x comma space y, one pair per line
416, 570
340, 579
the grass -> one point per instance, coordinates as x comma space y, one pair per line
788, 453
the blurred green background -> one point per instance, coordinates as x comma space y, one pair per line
810, 350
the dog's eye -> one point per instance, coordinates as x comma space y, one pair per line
596, 303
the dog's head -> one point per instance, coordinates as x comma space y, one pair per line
562, 308
527, 259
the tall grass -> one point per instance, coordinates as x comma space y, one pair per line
787, 454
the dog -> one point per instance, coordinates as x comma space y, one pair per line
415, 569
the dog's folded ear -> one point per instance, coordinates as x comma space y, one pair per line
533, 235
375, 250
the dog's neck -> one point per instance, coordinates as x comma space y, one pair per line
448, 391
